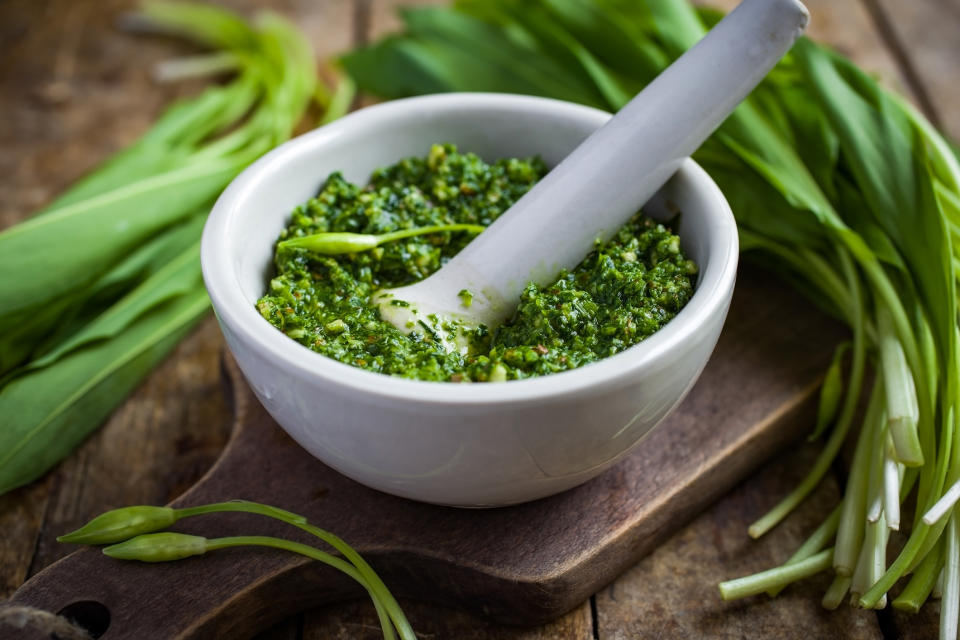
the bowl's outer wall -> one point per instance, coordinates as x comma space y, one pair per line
463, 453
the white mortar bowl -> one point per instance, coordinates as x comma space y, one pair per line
458, 444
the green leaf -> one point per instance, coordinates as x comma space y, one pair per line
855, 211
517, 66
29, 327
179, 277
46, 413
880, 147
89, 289
147, 259
340, 101
564, 48
831, 391
618, 42
46, 326
677, 24
397, 68
208, 25
439, 57
55, 254
758, 204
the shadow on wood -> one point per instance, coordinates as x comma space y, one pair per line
519, 565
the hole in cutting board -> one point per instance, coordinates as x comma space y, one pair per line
89, 614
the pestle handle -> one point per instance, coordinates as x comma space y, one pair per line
599, 186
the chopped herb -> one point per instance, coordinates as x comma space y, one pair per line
621, 293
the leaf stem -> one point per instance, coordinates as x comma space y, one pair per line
922, 582
835, 592
335, 243
950, 604
378, 588
315, 554
839, 433
819, 539
853, 515
902, 408
196, 66
777, 577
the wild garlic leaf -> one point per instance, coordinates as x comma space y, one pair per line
69, 248
611, 37
50, 324
396, 68
567, 51
48, 412
516, 66
807, 125
204, 24
180, 276
22, 331
167, 144
880, 148
855, 211
758, 204
677, 25
147, 259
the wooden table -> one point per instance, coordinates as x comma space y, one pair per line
74, 89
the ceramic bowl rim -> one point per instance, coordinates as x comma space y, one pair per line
711, 296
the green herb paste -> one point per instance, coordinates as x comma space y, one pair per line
621, 293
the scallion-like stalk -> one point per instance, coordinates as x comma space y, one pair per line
335, 243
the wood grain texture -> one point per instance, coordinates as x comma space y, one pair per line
357, 621
680, 576
74, 89
846, 26
925, 35
521, 565
384, 18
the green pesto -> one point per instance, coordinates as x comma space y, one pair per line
621, 293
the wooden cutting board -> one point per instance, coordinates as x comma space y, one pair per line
519, 565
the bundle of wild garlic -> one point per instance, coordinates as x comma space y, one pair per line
100, 285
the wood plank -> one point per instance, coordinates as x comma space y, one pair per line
358, 621
289, 629
21, 519
384, 18
523, 565
674, 590
846, 26
926, 33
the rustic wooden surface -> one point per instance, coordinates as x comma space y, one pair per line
522, 565
73, 89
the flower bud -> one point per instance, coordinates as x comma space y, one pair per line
158, 547
334, 243
121, 524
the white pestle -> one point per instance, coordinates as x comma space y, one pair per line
605, 180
